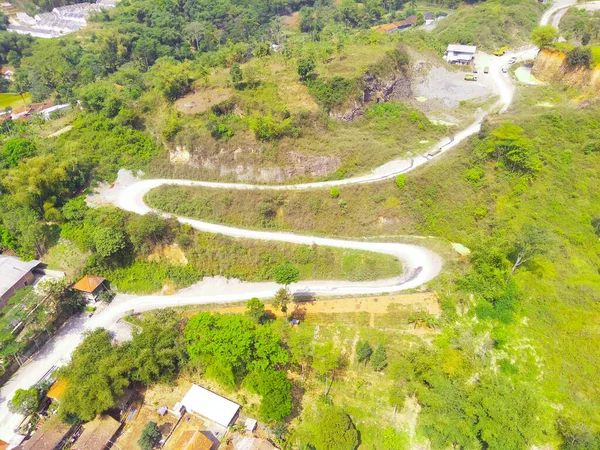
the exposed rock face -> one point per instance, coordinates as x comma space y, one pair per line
552, 66
394, 86
236, 164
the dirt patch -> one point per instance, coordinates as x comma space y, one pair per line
378, 305
141, 416
169, 253
292, 22
201, 100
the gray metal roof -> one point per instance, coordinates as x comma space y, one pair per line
12, 270
459, 48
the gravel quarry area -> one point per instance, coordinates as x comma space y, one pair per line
444, 88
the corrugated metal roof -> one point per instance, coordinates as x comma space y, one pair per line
210, 405
459, 48
12, 270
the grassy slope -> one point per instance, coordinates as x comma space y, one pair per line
560, 290
491, 24
279, 92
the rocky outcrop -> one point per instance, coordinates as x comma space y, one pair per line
552, 66
392, 84
241, 164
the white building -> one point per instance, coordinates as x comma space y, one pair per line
460, 54
209, 405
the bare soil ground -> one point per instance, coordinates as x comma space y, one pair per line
201, 99
133, 429
426, 301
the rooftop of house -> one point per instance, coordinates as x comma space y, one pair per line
459, 48
57, 390
12, 269
48, 437
97, 433
193, 440
88, 283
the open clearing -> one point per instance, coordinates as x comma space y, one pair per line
372, 311
15, 101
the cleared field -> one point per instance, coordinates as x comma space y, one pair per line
15, 101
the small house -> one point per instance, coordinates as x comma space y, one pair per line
7, 72
396, 26
90, 286
429, 18
97, 434
209, 405
51, 436
193, 440
460, 54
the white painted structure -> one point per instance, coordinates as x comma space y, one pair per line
207, 404
460, 54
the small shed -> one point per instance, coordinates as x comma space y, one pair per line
250, 425
90, 286
97, 433
209, 405
429, 18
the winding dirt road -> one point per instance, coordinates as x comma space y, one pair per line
420, 264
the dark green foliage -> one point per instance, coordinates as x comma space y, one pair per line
286, 273
25, 401
146, 231
158, 351
275, 389
236, 75
108, 241
282, 299
579, 56
228, 347
363, 351
96, 377
256, 310
306, 66
14, 150
379, 358
150, 436
333, 92
335, 430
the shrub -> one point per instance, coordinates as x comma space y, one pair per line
332, 92
286, 273
267, 128
306, 66
401, 181
334, 192
579, 56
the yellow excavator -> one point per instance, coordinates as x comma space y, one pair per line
501, 51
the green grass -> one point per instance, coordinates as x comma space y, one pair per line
15, 101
